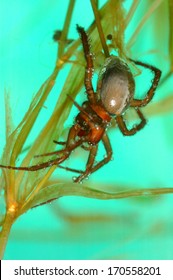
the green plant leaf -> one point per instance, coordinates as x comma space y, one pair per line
55, 191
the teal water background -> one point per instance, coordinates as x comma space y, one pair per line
76, 227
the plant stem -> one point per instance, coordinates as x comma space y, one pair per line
4, 234
67, 22
99, 27
170, 34
131, 12
155, 4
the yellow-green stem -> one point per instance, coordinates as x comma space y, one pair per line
170, 34
37, 189
63, 37
131, 12
4, 234
99, 27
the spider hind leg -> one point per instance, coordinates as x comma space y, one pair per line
151, 91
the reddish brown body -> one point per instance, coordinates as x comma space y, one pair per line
91, 123
115, 94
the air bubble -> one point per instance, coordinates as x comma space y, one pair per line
108, 124
147, 193
81, 182
77, 139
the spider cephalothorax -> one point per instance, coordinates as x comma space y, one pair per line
115, 93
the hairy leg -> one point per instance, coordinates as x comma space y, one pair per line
89, 65
90, 168
127, 132
151, 91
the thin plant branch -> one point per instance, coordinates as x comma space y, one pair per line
99, 27
63, 37
146, 16
131, 12
171, 34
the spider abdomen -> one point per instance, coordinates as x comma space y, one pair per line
115, 94
117, 86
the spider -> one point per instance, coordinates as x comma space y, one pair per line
114, 95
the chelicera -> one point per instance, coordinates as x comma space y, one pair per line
114, 95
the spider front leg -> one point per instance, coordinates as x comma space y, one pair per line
151, 91
128, 132
71, 145
39, 166
89, 65
60, 142
90, 168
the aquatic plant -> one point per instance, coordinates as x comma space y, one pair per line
20, 190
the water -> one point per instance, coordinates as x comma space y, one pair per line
79, 227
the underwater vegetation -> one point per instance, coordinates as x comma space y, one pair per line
140, 170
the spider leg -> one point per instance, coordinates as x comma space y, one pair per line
52, 153
89, 65
38, 166
71, 169
108, 148
89, 164
86, 148
71, 145
90, 168
89, 148
122, 125
59, 142
55, 152
151, 91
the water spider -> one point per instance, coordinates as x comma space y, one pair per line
114, 95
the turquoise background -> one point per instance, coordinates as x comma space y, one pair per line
76, 227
